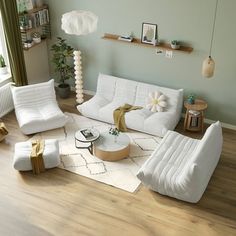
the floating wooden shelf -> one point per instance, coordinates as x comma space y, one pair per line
136, 41
34, 10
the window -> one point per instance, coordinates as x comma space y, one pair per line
3, 51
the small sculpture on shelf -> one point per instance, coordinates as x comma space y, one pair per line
175, 44
36, 37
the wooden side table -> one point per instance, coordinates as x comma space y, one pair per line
193, 121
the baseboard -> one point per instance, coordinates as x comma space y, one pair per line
89, 92
224, 125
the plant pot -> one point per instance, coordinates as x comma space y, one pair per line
175, 46
37, 40
3, 70
63, 90
190, 101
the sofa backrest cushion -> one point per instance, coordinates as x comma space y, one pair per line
125, 91
106, 86
34, 94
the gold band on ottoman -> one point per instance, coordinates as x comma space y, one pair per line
36, 156
3, 131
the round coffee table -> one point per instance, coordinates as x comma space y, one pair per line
87, 137
107, 149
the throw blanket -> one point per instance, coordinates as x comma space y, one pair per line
36, 156
3, 129
119, 116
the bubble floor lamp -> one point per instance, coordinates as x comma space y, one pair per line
79, 23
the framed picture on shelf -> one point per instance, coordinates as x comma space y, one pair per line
149, 33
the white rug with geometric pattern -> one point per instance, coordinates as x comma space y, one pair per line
120, 174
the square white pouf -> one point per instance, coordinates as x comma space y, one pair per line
23, 150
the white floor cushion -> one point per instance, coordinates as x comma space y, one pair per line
36, 108
23, 150
181, 167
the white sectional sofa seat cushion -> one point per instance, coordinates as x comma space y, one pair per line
23, 150
181, 167
36, 108
113, 92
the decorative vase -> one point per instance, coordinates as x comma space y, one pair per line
175, 46
191, 100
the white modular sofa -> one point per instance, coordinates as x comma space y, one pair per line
181, 167
113, 92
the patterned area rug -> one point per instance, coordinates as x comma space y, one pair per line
120, 174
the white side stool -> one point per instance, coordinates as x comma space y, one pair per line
23, 150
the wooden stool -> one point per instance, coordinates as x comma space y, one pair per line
198, 106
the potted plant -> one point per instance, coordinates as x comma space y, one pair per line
115, 132
3, 67
63, 53
36, 37
175, 44
191, 98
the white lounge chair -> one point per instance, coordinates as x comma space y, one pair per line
36, 108
181, 167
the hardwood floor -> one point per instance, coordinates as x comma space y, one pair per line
58, 202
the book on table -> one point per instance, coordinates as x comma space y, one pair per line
87, 133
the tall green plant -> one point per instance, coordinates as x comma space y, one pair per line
2, 61
61, 59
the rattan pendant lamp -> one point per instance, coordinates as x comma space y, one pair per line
208, 65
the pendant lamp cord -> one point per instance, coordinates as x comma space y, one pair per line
213, 30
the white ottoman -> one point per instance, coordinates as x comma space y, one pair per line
23, 150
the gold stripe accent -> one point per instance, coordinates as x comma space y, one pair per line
36, 156
3, 129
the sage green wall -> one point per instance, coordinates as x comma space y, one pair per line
187, 20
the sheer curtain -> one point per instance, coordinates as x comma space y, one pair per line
11, 27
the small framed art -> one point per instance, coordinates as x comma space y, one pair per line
149, 33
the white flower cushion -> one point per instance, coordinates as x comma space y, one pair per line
36, 108
156, 102
181, 167
23, 150
113, 92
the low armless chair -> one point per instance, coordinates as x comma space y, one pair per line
36, 108
181, 167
